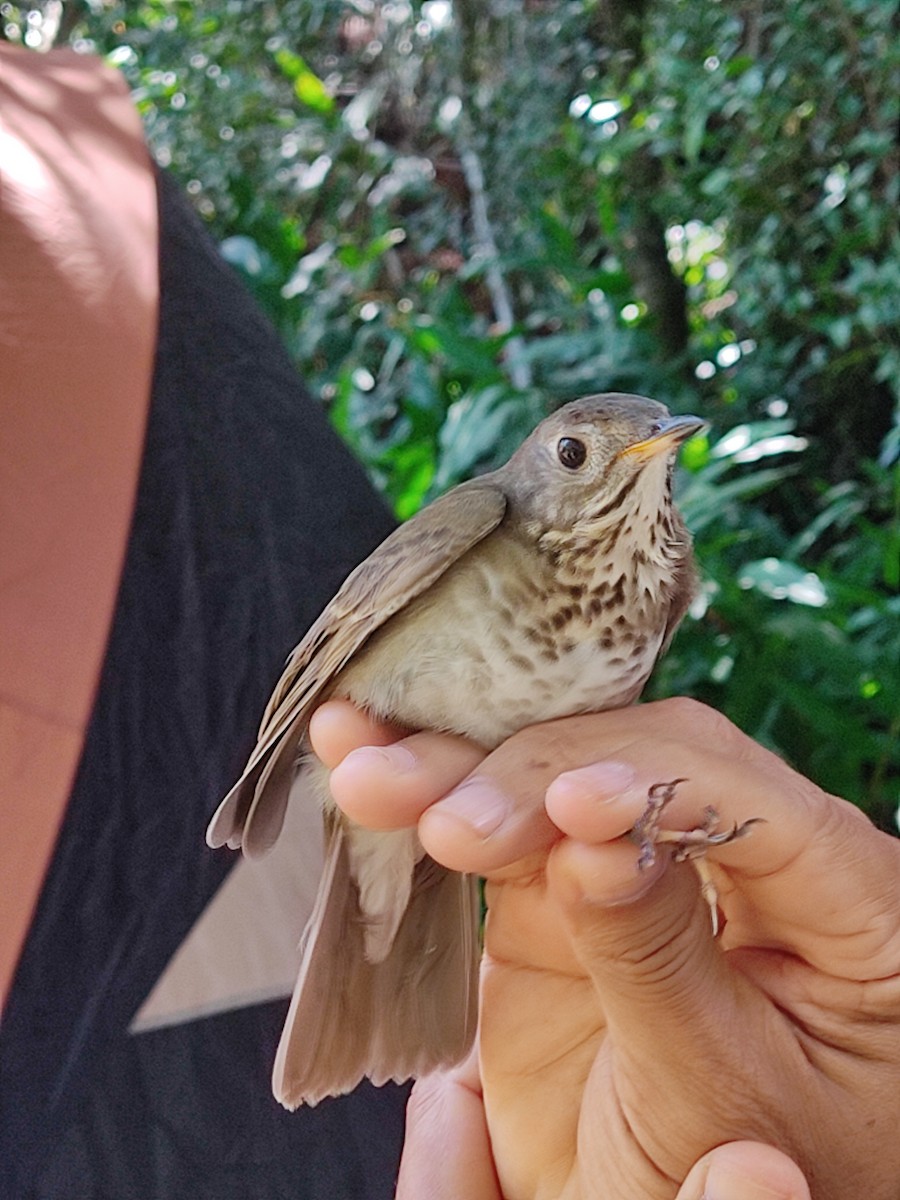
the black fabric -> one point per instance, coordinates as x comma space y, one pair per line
249, 513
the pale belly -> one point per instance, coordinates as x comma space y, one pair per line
461, 660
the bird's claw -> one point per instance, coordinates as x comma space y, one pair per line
689, 845
645, 833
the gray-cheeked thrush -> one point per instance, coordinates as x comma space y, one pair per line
546, 588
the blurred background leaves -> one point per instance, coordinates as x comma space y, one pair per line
461, 214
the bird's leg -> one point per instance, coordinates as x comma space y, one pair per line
690, 844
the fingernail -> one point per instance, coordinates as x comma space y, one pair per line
395, 757
724, 1184
602, 781
478, 803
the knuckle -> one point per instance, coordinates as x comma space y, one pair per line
694, 719
551, 745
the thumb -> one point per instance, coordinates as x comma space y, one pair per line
644, 937
745, 1171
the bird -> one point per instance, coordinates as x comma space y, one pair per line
545, 588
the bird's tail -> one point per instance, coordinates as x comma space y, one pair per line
401, 1017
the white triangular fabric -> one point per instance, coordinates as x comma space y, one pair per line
244, 947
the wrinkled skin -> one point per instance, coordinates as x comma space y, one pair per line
620, 1043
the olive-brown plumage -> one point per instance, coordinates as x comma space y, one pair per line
546, 588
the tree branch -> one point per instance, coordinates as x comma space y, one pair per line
471, 16
519, 368
620, 26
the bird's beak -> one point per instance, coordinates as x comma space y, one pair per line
671, 433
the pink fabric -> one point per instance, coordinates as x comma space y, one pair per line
78, 307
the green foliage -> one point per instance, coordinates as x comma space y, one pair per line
460, 216
797, 638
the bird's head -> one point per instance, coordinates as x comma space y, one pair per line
594, 461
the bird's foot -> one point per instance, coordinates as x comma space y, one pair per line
689, 844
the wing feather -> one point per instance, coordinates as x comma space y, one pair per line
406, 563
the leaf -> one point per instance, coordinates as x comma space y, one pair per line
703, 504
311, 91
716, 182
243, 252
470, 433
694, 131
784, 580
308, 87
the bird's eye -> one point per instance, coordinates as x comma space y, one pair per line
571, 452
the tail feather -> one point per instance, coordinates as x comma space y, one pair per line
351, 1018
426, 1000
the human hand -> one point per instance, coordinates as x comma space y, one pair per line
445, 1123
663, 1043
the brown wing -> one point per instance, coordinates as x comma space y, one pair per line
401, 568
